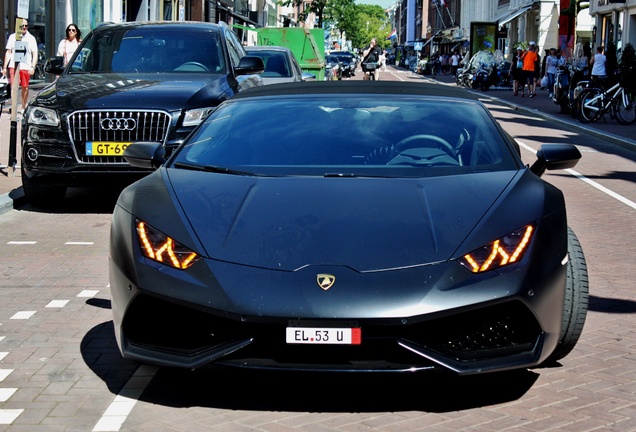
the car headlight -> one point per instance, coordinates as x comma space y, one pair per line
159, 247
196, 116
506, 250
43, 116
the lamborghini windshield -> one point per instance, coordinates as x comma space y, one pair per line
375, 135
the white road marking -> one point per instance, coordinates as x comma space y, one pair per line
57, 304
6, 393
7, 416
5, 373
23, 315
598, 186
119, 409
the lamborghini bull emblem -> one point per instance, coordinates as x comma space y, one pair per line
325, 281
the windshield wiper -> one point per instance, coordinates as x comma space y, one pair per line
337, 174
213, 168
354, 175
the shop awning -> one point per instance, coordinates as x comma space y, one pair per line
512, 15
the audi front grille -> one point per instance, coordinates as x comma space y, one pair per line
115, 127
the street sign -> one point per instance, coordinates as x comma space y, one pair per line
23, 8
417, 46
20, 51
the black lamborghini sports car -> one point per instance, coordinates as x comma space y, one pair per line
343, 226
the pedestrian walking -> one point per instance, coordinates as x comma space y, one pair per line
599, 62
516, 72
454, 63
552, 62
530, 61
28, 62
69, 44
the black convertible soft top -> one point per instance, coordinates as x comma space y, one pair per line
359, 87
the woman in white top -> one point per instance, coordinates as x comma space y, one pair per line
69, 44
598, 64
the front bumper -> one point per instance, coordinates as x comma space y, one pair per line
472, 325
59, 155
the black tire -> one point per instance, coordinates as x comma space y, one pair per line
576, 299
40, 194
564, 107
626, 114
585, 114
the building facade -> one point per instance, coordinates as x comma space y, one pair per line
613, 20
550, 23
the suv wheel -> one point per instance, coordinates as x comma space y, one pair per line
42, 195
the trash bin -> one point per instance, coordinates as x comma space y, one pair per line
302, 42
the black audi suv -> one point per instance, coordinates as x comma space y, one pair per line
127, 82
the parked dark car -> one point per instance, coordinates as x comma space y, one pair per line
421, 242
134, 81
333, 68
280, 65
348, 62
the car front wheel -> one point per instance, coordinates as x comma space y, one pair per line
576, 299
40, 194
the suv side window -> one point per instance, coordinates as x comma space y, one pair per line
235, 49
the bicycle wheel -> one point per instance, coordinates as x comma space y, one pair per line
590, 105
626, 108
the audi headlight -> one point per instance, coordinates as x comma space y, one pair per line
43, 116
506, 250
196, 116
159, 247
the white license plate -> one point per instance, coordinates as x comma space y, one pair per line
314, 335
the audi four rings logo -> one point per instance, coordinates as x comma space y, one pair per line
118, 124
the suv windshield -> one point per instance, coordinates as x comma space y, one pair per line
157, 50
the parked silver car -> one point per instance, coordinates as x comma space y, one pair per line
280, 65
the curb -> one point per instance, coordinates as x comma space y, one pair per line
11, 200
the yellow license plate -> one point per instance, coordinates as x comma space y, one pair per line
104, 148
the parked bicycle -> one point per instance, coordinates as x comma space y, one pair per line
618, 101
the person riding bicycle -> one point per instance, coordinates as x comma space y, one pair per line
370, 58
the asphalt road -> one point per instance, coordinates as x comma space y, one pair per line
60, 369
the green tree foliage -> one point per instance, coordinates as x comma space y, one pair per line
316, 6
611, 62
371, 22
627, 65
343, 15
359, 22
